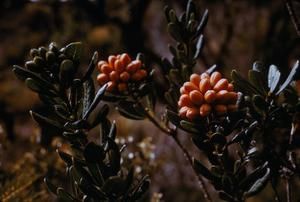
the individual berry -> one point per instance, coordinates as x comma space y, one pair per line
210, 96
230, 87
111, 60
204, 85
195, 79
183, 111
185, 100
196, 97
125, 76
189, 86
222, 84
119, 66
114, 76
102, 78
214, 78
220, 109
205, 109
192, 113
204, 75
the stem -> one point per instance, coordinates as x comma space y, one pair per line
288, 190
173, 134
293, 16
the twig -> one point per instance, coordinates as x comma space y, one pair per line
288, 190
293, 16
173, 134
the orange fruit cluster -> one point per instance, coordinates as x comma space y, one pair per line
118, 71
205, 94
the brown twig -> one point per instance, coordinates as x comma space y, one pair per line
292, 13
173, 133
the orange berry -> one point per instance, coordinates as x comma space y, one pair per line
222, 84
230, 87
143, 73
220, 109
210, 96
232, 108
106, 69
111, 60
102, 78
110, 86
221, 96
183, 111
133, 66
205, 109
231, 97
196, 97
100, 63
122, 87
214, 78
195, 79
114, 76
125, 76
204, 85
192, 113
189, 86
139, 75
125, 59
185, 100
119, 66
183, 91
204, 75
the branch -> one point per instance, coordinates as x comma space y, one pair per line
293, 16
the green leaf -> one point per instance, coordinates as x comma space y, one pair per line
114, 185
191, 127
95, 102
23, 74
259, 184
256, 80
63, 195
203, 22
52, 188
273, 77
130, 110
74, 50
92, 191
175, 31
67, 158
202, 170
173, 117
289, 78
243, 85
98, 115
45, 121
91, 68
88, 95
93, 153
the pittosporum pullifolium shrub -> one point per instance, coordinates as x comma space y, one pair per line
234, 121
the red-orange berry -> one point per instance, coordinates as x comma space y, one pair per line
214, 78
210, 96
204, 85
196, 97
125, 59
102, 78
220, 109
204, 76
221, 96
205, 109
232, 107
222, 84
182, 90
125, 76
185, 100
111, 60
133, 66
183, 111
110, 86
192, 113
106, 69
119, 66
114, 76
230, 87
189, 86
195, 79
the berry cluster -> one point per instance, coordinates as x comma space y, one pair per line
204, 94
118, 71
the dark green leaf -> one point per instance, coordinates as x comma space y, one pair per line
243, 85
88, 95
95, 102
114, 185
74, 50
259, 184
256, 80
67, 158
63, 195
199, 46
175, 31
91, 68
130, 110
52, 188
45, 121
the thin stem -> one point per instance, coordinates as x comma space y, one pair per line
173, 134
293, 16
288, 190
